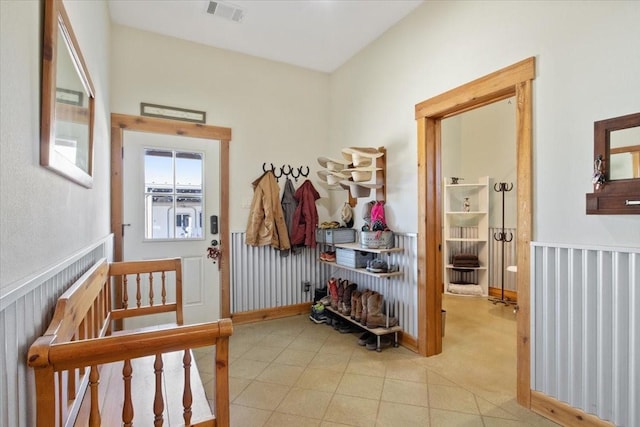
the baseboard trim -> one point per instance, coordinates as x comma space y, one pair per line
406, 340
409, 342
508, 294
562, 413
271, 313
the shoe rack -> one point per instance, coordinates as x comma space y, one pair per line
381, 331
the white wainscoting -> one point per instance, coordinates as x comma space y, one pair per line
261, 278
585, 320
25, 313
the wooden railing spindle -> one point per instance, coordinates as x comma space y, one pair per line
138, 292
151, 289
127, 408
94, 414
158, 401
187, 398
164, 289
125, 293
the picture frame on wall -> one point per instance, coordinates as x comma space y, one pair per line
174, 113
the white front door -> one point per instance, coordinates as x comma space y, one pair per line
171, 189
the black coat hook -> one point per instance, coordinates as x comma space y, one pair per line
276, 175
294, 175
502, 186
288, 172
264, 168
302, 173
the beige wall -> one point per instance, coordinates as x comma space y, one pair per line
45, 217
586, 71
480, 143
278, 113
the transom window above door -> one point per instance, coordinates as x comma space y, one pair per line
173, 194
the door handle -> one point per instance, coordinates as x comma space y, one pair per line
123, 226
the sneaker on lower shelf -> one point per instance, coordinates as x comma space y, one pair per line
325, 301
384, 343
347, 328
330, 256
318, 319
377, 266
364, 338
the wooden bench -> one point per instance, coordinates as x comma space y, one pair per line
88, 374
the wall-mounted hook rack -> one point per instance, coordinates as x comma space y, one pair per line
286, 171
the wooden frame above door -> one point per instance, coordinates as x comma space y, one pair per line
515, 80
122, 122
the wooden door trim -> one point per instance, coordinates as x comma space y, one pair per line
122, 122
515, 80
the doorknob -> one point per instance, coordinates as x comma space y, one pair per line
123, 226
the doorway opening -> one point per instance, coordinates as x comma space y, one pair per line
478, 160
513, 81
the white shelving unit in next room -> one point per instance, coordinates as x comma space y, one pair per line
466, 232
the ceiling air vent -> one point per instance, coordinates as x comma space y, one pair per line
227, 11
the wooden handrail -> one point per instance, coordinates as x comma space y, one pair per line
97, 351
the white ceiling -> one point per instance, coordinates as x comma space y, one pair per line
316, 34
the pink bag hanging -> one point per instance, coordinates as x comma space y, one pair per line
378, 220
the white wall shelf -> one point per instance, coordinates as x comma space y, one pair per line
466, 232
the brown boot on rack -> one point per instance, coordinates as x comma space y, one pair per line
340, 295
365, 306
332, 284
346, 298
355, 300
359, 306
375, 317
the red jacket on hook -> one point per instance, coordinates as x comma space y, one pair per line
305, 218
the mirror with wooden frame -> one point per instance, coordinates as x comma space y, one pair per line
617, 152
68, 96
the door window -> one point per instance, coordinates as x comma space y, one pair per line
173, 194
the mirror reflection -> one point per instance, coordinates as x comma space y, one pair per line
624, 153
71, 110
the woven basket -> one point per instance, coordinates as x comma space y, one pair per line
376, 239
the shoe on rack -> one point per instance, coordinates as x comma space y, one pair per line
318, 318
385, 342
341, 287
346, 297
318, 314
375, 317
330, 256
329, 225
365, 298
326, 300
355, 299
332, 284
377, 265
358, 310
347, 328
364, 338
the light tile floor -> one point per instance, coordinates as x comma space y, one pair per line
293, 372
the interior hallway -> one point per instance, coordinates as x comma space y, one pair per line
293, 372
